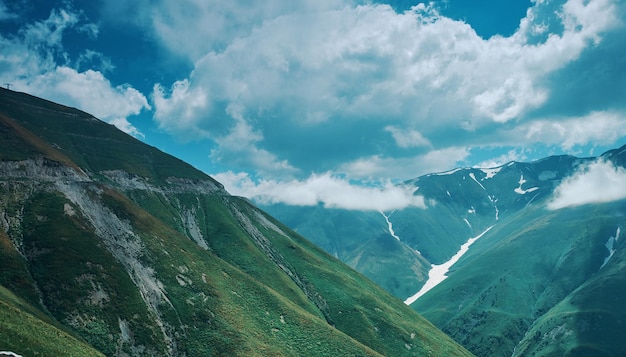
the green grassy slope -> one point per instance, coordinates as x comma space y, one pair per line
362, 240
357, 305
65, 134
28, 332
521, 272
137, 253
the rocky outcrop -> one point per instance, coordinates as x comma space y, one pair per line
117, 235
266, 247
126, 181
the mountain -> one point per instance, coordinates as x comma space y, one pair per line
111, 247
462, 203
540, 282
535, 280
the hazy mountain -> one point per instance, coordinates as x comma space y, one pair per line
538, 281
461, 204
110, 245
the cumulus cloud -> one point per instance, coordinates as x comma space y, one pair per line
177, 23
407, 138
238, 147
407, 167
89, 91
326, 189
34, 61
5, 12
297, 69
178, 110
598, 182
511, 155
595, 127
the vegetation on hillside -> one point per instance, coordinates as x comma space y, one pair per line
119, 247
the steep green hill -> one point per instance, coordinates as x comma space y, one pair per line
114, 245
515, 285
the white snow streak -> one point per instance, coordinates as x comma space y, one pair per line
491, 172
522, 191
437, 273
8, 353
471, 174
447, 172
495, 206
393, 234
610, 246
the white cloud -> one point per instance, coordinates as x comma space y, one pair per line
511, 155
407, 138
597, 182
5, 13
49, 32
193, 28
30, 63
301, 68
597, 127
239, 147
180, 110
405, 167
89, 91
326, 189
95, 60
124, 125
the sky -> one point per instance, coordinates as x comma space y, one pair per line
331, 101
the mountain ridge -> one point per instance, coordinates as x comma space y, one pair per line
525, 284
133, 252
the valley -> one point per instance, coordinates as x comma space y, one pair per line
524, 287
124, 250
280, 178
437, 273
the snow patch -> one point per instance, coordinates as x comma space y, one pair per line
471, 174
494, 200
445, 173
437, 273
610, 246
521, 191
8, 353
389, 225
491, 172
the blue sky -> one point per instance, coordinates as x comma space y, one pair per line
307, 101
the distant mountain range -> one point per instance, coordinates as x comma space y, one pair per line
111, 247
536, 281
